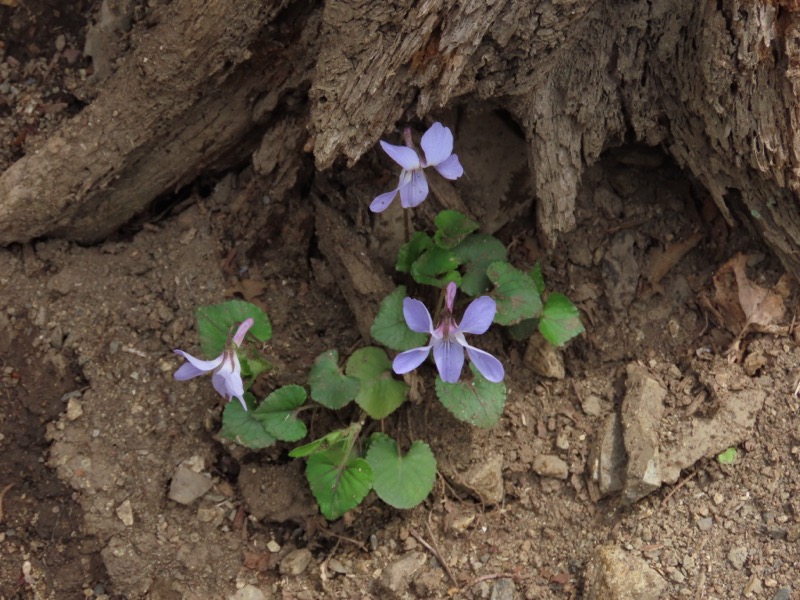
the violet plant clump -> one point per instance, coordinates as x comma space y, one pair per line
437, 145
226, 369
447, 339
344, 465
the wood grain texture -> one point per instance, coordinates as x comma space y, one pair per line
182, 102
715, 84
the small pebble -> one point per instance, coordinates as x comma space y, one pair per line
74, 409
737, 557
785, 593
753, 587
397, 575
206, 514
273, 546
548, 465
295, 562
337, 566
677, 576
248, 592
705, 524
125, 513
591, 406
187, 486
503, 589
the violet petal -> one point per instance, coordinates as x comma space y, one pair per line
417, 316
245, 326
449, 357
416, 191
450, 168
195, 366
437, 143
403, 155
410, 359
227, 380
235, 384
188, 371
450, 295
478, 316
382, 202
220, 382
488, 365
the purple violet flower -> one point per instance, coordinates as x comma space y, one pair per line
227, 372
437, 143
448, 341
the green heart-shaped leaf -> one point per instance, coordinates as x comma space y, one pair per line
538, 278
435, 267
728, 457
412, 250
452, 228
339, 483
478, 402
401, 481
390, 327
242, 427
329, 386
560, 320
278, 413
476, 253
515, 293
252, 366
380, 394
216, 322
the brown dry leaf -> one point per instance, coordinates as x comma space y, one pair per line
660, 262
743, 306
724, 305
763, 308
250, 290
11, 3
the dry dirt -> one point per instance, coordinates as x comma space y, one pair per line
94, 426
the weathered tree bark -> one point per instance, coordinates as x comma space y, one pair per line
714, 83
198, 93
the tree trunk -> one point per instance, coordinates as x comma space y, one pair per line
714, 83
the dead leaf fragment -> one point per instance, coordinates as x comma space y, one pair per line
660, 262
763, 308
742, 306
250, 290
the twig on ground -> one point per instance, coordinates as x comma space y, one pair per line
512, 576
135, 351
344, 538
677, 487
435, 551
2, 497
323, 567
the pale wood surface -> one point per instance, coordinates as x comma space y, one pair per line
716, 88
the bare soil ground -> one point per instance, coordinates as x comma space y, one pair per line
94, 426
